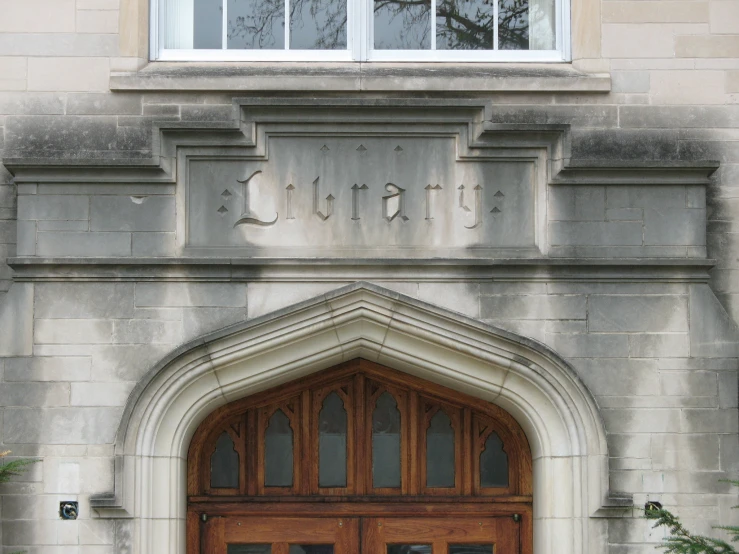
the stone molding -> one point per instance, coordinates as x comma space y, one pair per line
358, 77
474, 114
534, 384
623, 270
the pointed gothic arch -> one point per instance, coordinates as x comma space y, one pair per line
537, 387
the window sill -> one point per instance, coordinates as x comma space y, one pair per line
355, 76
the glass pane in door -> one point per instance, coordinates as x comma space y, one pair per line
278, 452
440, 451
332, 443
386, 443
408, 549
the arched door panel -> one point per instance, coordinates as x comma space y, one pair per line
359, 442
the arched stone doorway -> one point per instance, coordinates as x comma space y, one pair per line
524, 378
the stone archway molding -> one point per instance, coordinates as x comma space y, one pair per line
531, 382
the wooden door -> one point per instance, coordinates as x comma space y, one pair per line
429, 535
281, 535
307, 462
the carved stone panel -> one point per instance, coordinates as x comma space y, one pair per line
360, 196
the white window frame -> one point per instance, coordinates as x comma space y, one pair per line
360, 34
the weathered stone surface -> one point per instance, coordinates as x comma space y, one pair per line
728, 390
625, 145
48, 135
638, 314
34, 394
601, 234
73, 331
16, 320
195, 112
99, 394
712, 332
154, 244
657, 345
199, 321
590, 345
60, 425
58, 44
709, 421
83, 244
84, 300
683, 383
132, 213
39, 103
146, 331
40, 368
577, 204
618, 377
646, 197
125, 362
104, 104
674, 226
227, 295
462, 298
269, 297
532, 307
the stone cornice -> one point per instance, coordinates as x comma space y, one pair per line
347, 270
415, 113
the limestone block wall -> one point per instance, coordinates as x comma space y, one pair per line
658, 356
665, 391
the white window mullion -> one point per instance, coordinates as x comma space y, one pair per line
287, 24
433, 24
497, 22
224, 33
367, 27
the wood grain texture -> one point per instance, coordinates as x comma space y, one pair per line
267, 511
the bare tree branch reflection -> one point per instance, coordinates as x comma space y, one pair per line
322, 24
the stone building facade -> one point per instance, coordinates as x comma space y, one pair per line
179, 235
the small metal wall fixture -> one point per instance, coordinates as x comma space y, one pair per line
69, 509
652, 506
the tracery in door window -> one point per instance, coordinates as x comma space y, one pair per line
361, 30
353, 433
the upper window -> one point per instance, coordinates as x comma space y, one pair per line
360, 30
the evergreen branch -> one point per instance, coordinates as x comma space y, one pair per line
14, 468
682, 541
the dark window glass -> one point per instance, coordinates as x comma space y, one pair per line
493, 463
311, 549
440, 451
332, 443
465, 25
386, 443
402, 25
256, 24
249, 549
278, 452
513, 24
224, 464
408, 549
470, 549
318, 24
208, 24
